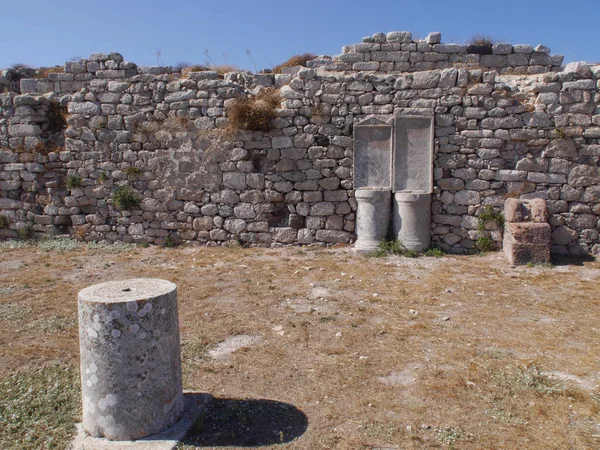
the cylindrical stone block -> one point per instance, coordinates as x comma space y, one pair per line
412, 220
130, 358
372, 218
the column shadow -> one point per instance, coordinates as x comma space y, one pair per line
227, 422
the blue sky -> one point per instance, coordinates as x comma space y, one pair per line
44, 33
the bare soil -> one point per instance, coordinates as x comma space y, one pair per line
311, 348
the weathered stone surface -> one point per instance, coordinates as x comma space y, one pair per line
519, 253
285, 235
372, 154
467, 198
564, 235
333, 236
89, 108
520, 129
130, 358
21, 130
425, 80
413, 154
519, 210
372, 218
529, 232
584, 175
561, 148
411, 219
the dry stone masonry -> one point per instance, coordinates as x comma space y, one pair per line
509, 120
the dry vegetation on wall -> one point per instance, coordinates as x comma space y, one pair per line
296, 60
448, 352
254, 112
187, 68
482, 39
43, 72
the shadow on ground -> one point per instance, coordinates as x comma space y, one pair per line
246, 423
567, 260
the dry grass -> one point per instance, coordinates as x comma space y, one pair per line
450, 352
221, 69
482, 40
43, 72
296, 60
254, 112
185, 71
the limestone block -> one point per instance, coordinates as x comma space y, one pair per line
333, 236
561, 148
528, 232
285, 235
130, 358
534, 210
89, 108
449, 48
20, 130
433, 38
523, 253
584, 175
563, 235
399, 36
425, 80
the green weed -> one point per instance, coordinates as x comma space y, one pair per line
125, 198
73, 181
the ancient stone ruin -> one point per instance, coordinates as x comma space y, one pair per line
527, 234
130, 359
112, 151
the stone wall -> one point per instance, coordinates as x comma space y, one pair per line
509, 123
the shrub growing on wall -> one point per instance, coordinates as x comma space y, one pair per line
125, 198
254, 113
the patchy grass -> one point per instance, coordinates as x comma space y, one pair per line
59, 244
394, 247
459, 352
55, 324
115, 247
434, 252
12, 311
38, 408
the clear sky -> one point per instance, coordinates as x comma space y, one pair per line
45, 32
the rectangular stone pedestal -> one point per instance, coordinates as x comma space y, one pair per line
527, 242
520, 254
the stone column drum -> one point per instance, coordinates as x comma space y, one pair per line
372, 218
412, 220
130, 358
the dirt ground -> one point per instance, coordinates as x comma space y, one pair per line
312, 348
